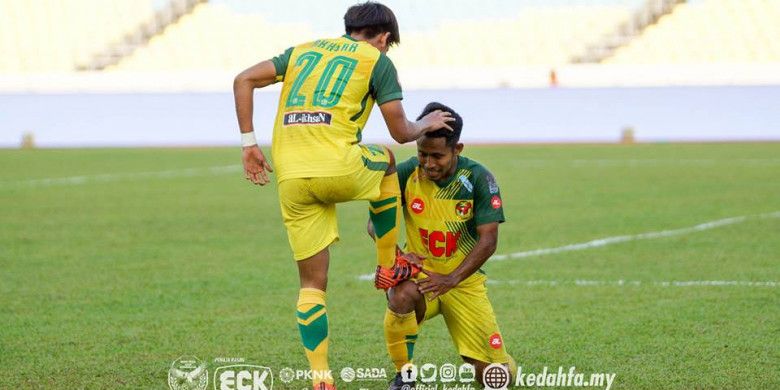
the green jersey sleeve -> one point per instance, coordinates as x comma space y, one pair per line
488, 206
280, 63
405, 169
384, 81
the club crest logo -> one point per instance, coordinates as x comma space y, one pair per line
188, 373
463, 209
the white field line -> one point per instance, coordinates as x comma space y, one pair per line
579, 163
642, 236
113, 177
625, 238
623, 283
636, 283
674, 162
646, 162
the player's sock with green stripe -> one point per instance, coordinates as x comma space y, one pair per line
313, 324
385, 213
400, 337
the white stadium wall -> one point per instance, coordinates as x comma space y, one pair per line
591, 104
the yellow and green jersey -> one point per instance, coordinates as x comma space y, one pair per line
441, 218
330, 86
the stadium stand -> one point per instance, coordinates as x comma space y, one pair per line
215, 36
643, 16
709, 31
49, 36
197, 44
167, 13
536, 36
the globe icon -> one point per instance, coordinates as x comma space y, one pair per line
495, 377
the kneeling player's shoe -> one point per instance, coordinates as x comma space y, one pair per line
398, 383
403, 269
324, 386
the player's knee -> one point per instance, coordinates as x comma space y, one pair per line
404, 297
313, 271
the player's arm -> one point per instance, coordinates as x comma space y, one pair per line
257, 76
439, 284
403, 130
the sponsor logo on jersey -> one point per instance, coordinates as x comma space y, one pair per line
463, 209
495, 201
492, 185
417, 206
495, 341
307, 118
440, 244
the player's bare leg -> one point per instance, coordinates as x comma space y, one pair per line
405, 310
313, 271
313, 317
405, 298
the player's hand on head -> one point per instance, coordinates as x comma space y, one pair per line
255, 165
436, 120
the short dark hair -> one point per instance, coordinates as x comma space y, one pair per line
452, 137
372, 18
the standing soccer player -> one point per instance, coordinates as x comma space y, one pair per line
452, 209
330, 86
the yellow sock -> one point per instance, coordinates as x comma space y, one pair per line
400, 337
313, 324
385, 214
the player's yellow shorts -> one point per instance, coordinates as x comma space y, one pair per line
470, 320
309, 204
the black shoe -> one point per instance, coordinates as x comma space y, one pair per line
398, 384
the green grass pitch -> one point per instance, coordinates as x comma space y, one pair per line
126, 259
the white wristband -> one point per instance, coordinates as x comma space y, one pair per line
248, 139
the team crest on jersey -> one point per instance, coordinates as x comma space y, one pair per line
495, 201
417, 206
463, 209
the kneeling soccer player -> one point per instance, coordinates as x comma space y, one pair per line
452, 209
